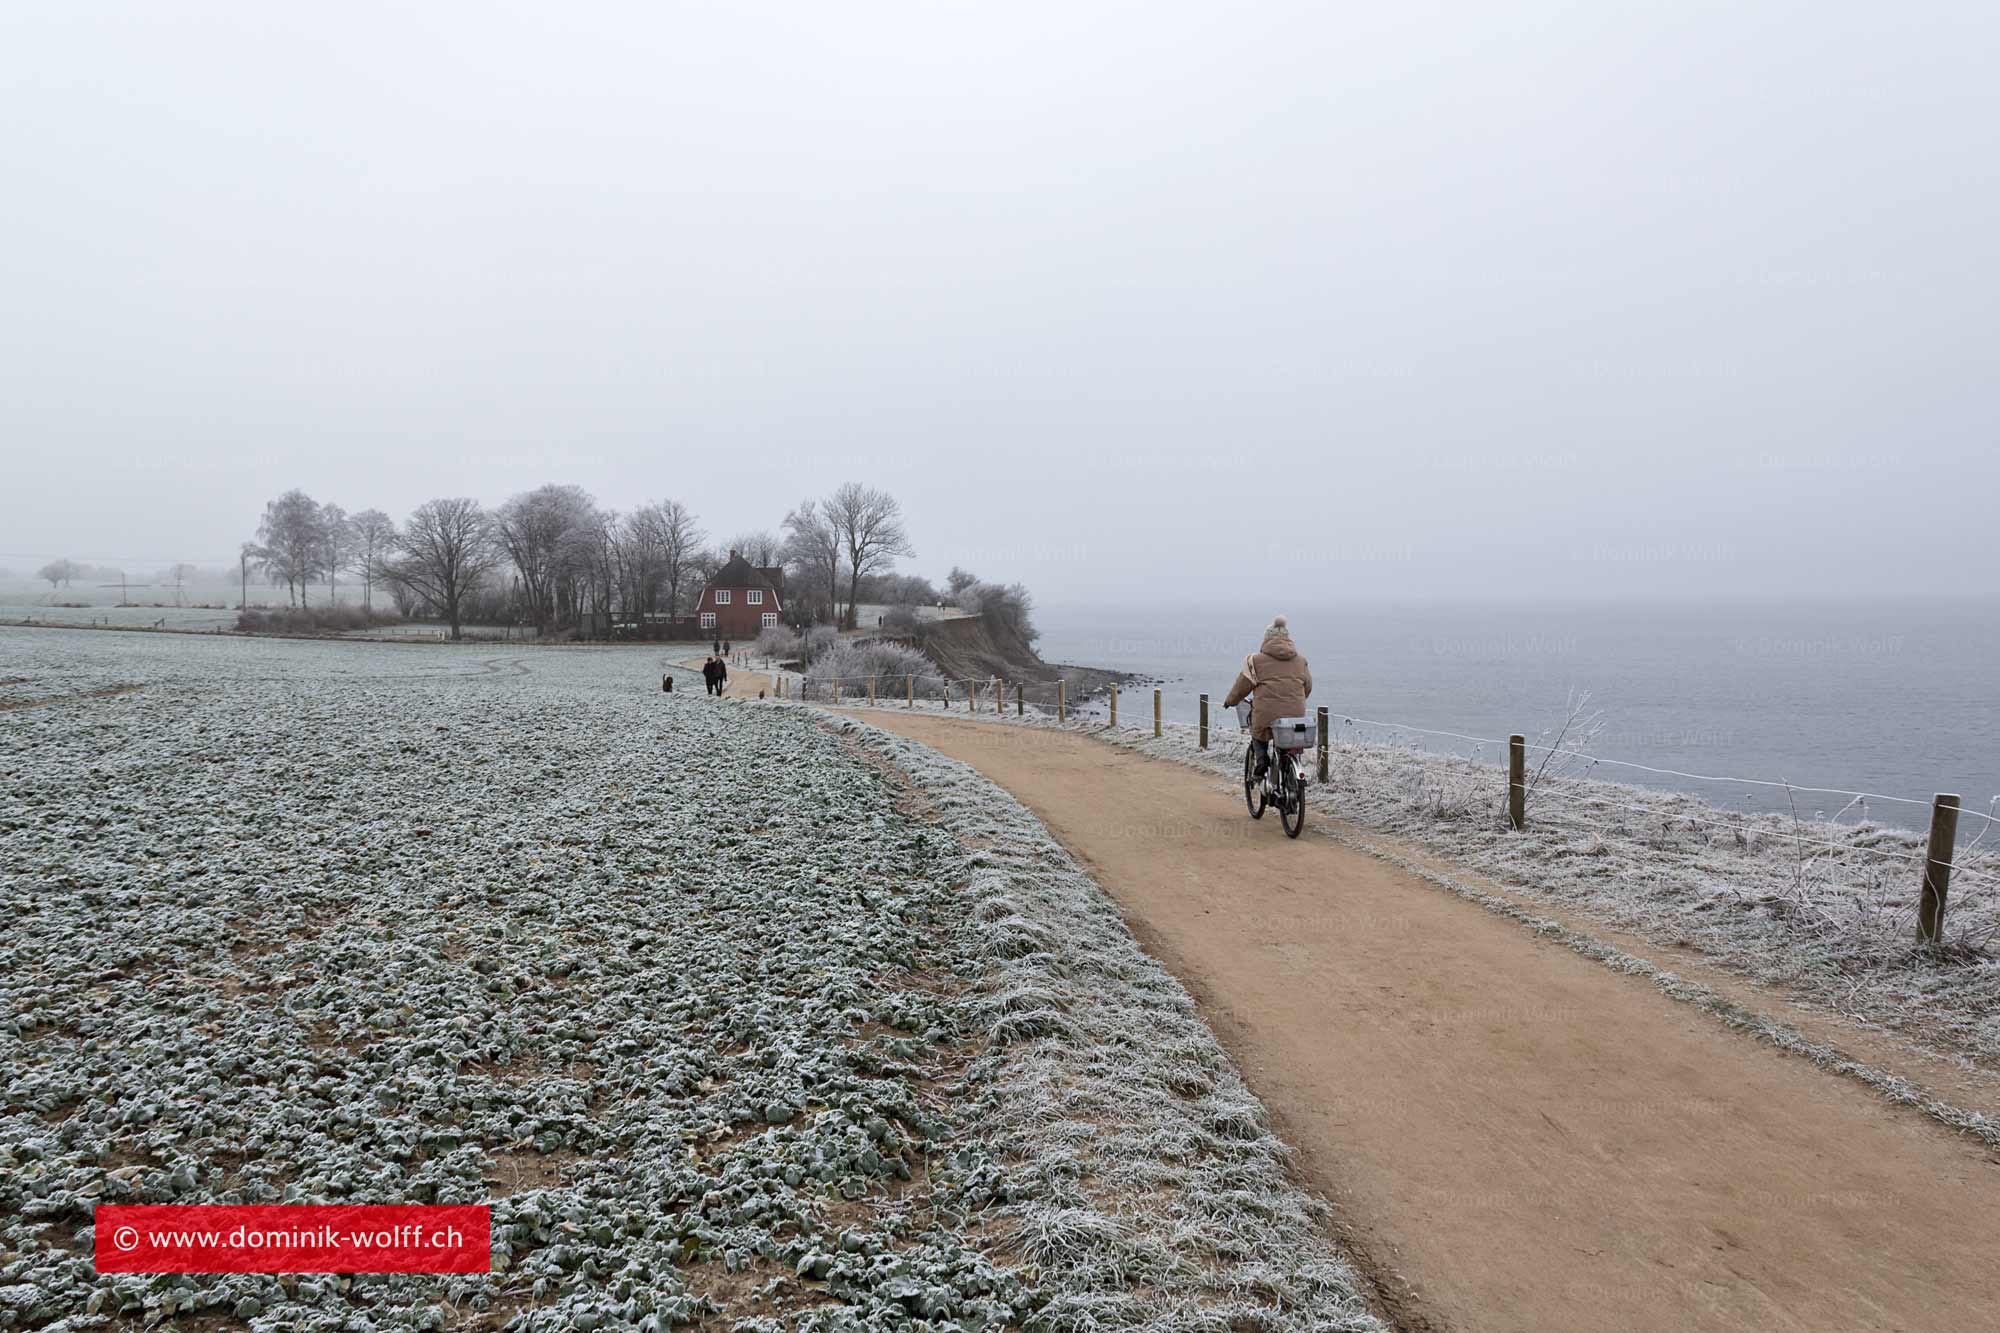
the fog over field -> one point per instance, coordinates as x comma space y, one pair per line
1122, 301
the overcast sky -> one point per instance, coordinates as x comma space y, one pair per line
1135, 300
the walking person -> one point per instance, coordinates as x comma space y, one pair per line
721, 675
708, 676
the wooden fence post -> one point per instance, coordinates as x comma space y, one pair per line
1517, 781
999, 695
1020, 703
910, 691
1156, 714
1322, 745
1937, 868
1114, 708
871, 691
1204, 722
836, 693
1062, 703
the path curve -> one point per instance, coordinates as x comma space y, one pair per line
1514, 1137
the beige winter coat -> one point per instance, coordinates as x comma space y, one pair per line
1278, 674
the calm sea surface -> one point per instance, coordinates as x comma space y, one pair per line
1897, 699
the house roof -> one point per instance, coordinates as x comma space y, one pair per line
737, 572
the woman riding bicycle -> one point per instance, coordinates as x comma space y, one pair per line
1277, 681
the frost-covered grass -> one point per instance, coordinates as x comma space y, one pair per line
714, 1005
1825, 909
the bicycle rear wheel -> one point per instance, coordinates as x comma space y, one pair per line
1253, 786
1291, 797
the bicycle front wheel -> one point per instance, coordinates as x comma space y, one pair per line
1253, 786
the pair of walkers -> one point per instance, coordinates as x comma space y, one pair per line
715, 672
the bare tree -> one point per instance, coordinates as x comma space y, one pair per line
551, 534
905, 590
176, 576
291, 541
654, 548
59, 571
337, 533
812, 548
248, 554
679, 537
760, 548
446, 549
374, 538
868, 524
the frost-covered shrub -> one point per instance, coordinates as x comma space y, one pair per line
778, 642
311, 620
821, 639
852, 663
1010, 604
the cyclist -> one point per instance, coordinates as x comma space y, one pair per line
1277, 681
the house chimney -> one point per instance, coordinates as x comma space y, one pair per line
732, 553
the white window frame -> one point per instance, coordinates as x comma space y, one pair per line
708, 620
722, 597
770, 619
755, 597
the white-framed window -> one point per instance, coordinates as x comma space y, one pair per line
722, 597
770, 619
755, 597
708, 620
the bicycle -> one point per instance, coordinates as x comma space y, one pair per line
1283, 782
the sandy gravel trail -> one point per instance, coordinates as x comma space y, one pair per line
1515, 1137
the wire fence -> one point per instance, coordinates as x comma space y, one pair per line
1051, 700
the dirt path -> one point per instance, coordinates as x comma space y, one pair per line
744, 681
1515, 1137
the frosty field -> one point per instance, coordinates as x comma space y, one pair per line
734, 1018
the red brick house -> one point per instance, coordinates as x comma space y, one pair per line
741, 601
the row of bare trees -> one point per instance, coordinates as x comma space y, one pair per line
553, 555
858, 525
300, 541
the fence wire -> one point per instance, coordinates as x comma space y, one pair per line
978, 695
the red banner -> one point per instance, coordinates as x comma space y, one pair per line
294, 1238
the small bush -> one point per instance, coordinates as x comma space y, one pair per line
777, 642
822, 639
851, 663
311, 619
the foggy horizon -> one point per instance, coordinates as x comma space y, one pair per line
1139, 303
